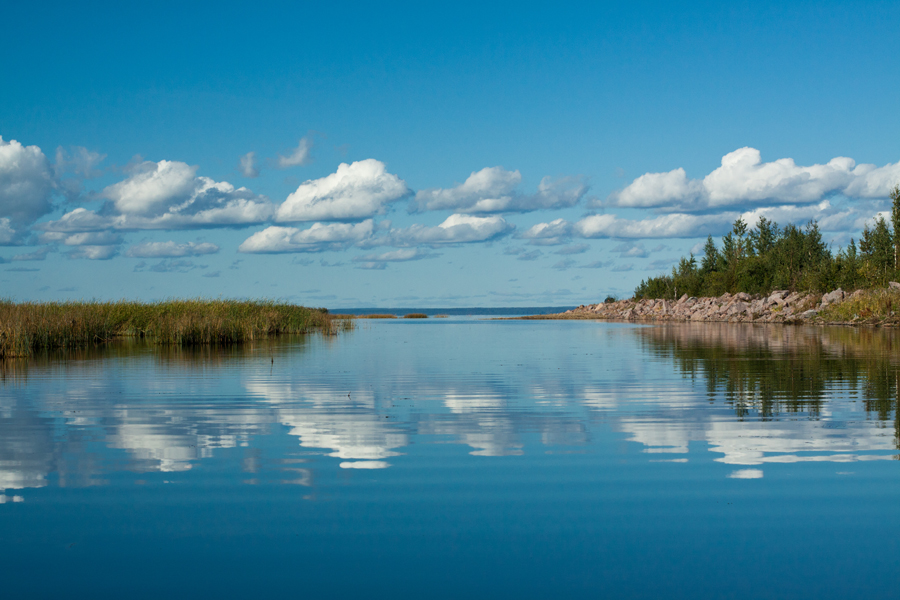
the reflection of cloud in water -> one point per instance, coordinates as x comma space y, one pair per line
699, 379
364, 464
26, 450
346, 423
746, 474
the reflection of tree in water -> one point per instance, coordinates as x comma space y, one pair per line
771, 371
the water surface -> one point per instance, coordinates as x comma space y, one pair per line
459, 458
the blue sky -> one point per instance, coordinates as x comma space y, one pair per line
466, 154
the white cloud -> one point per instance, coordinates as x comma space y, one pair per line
79, 219
795, 214
379, 261
247, 165
299, 156
456, 229
167, 195
171, 249
631, 250
553, 233
355, 191
90, 238
493, 189
93, 252
26, 182
7, 233
153, 188
319, 237
39, 254
659, 189
677, 225
401, 255
489, 185
743, 178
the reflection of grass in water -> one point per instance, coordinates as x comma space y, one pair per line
415, 316
30, 326
773, 371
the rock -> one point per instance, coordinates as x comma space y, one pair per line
894, 285
742, 296
832, 297
738, 308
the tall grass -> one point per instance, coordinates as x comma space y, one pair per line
869, 306
29, 326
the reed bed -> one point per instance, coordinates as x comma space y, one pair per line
415, 316
26, 327
378, 316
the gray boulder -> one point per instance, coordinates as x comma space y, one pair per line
837, 295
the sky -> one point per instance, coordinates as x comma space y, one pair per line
425, 155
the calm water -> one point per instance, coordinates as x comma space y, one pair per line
458, 458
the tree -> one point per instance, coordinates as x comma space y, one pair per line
710, 256
895, 222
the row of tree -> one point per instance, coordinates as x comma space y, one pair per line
769, 257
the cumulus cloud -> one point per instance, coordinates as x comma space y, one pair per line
631, 250
7, 233
26, 183
493, 189
744, 179
678, 225
171, 249
167, 195
89, 238
355, 191
402, 255
456, 229
93, 252
39, 254
298, 156
553, 233
247, 165
318, 238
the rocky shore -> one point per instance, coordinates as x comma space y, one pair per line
872, 307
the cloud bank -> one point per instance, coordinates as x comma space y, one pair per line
744, 179
493, 190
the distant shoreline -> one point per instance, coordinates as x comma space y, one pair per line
876, 307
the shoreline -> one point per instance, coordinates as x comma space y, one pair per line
859, 308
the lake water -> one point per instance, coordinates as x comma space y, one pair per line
459, 458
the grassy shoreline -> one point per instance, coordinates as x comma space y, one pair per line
27, 327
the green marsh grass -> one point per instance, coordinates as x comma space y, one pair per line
867, 306
26, 327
